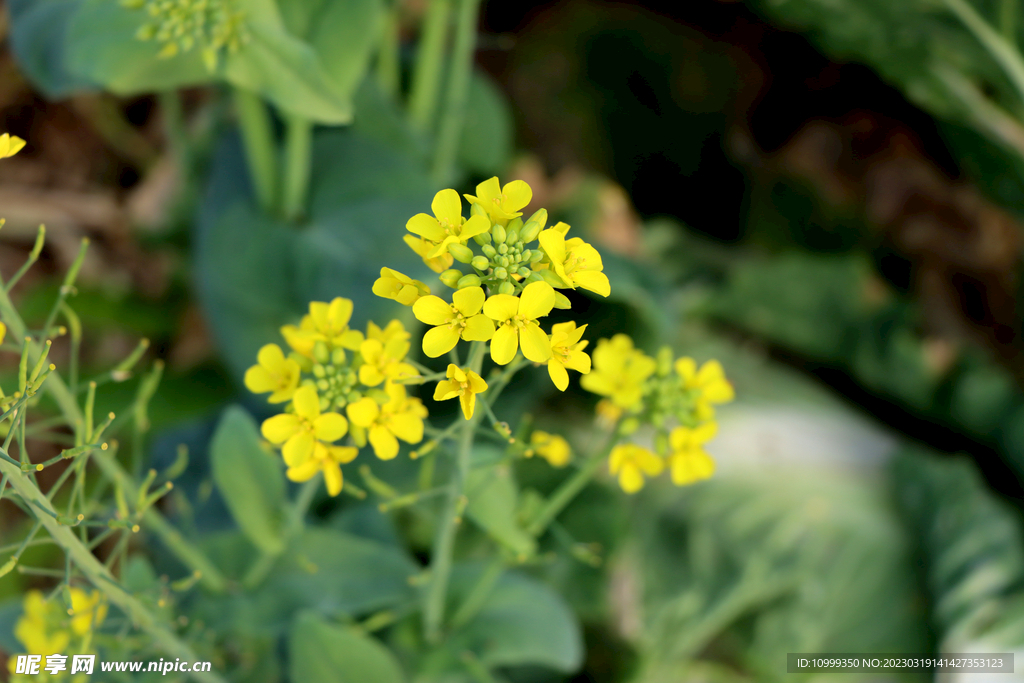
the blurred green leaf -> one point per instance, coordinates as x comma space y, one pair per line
39, 40
485, 147
493, 505
250, 479
325, 653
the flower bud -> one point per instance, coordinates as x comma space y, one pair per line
530, 231
524, 271
318, 371
535, 277
503, 261
320, 353
483, 238
489, 251
480, 262
451, 277
525, 255
477, 210
536, 256
500, 273
506, 288
498, 233
629, 425
540, 217
461, 252
551, 277
514, 224
562, 301
661, 443
338, 356
512, 237
502, 248
664, 361
469, 281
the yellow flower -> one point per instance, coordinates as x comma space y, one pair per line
423, 249
631, 463
567, 352
465, 384
327, 323
394, 329
87, 610
446, 226
688, 461
551, 447
3, 332
394, 285
619, 371
300, 432
400, 418
273, 372
10, 145
42, 626
517, 323
502, 204
577, 263
327, 459
383, 360
709, 380
459, 319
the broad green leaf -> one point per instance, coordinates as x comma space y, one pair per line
523, 622
320, 652
102, 48
493, 505
250, 479
485, 147
39, 41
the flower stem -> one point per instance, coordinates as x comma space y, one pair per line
426, 75
295, 521
450, 131
389, 73
444, 543
260, 149
1008, 12
298, 156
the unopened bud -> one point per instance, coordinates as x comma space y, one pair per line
551, 277
498, 232
469, 281
562, 301
461, 252
489, 251
506, 287
451, 277
480, 262
500, 273
483, 238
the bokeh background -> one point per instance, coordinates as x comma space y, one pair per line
827, 196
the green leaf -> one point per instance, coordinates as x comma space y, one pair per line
523, 622
250, 479
325, 653
485, 147
493, 505
39, 41
102, 48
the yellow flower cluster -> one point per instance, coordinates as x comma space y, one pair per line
180, 25
49, 627
639, 390
332, 368
509, 274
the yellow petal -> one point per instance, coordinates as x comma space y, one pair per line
719, 391
303, 472
553, 243
468, 301
536, 345
592, 280
440, 340
280, 428
478, 328
468, 401
630, 478
332, 477
425, 226
306, 402
578, 361
691, 467
330, 427
476, 225
433, 310
271, 357
385, 445
3, 332
363, 412
447, 206
476, 382
517, 195
504, 344
370, 375
686, 368
339, 313
651, 464
488, 191
710, 372
501, 307
342, 454
258, 380
537, 300
298, 449
407, 427
558, 374
445, 390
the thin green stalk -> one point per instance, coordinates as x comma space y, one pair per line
429, 65
1008, 12
33, 256
456, 98
297, 166
389, 74
260, 147
67, 286
296, 521
173, 119
444, 542
101, 577
479, 593
1003, 51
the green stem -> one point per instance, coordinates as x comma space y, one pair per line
444, 542
450, 132
260, 148
255, 576
430, 58
174, 128
100, 576
298, 156
1001, 50
389, 73
479, 593
1008, 11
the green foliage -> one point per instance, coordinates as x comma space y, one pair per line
493, 504
486, 144
320, 652
39, 42
250, 479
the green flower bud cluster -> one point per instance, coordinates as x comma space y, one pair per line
666, 400
506, 257
181, 25
335, 377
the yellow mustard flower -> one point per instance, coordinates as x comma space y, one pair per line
551, 447
88, 610
424, 249
517, 323
460, 319
619, 371
709, 380
3, 332
327, 323
400, 418
631, 462
502, 204
383, 360
393, 329
577, 263
688, 462
10, 145
446, 226
463, 383
300, 431
273, 372
42, 625
394, 285
567, 352
327, 459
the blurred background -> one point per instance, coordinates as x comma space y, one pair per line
827, 196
